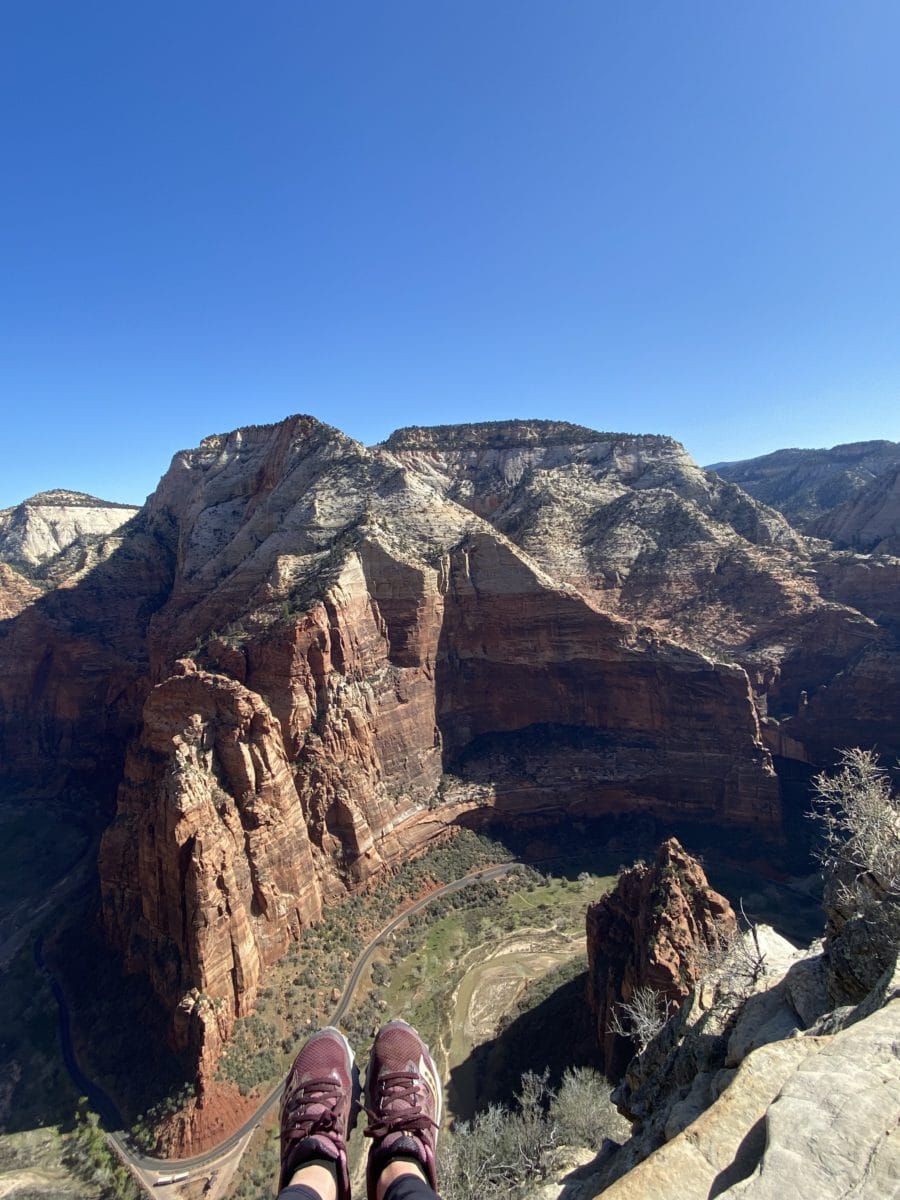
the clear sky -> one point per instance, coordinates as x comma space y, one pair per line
679, 216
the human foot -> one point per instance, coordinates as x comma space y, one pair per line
316, 1109
403, 1100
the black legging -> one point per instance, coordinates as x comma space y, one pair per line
407, 1187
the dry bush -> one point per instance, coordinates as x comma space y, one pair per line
860, 823
503, 1154
732, 964
583, 1112
498, 1151
642, 1017
860, 820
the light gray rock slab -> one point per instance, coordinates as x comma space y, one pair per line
765, 1018
806, 989
724, 1141
833, 1133
686, 1110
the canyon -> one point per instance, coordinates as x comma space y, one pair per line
304, 659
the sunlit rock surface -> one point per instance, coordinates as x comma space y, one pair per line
301, 638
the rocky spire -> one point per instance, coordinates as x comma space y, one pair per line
648, 933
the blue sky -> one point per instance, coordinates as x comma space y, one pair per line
678, 217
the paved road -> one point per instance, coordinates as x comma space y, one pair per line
144, 1164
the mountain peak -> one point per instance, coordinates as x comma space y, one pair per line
502, 435
67, 498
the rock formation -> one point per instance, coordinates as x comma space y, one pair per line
805, 484
335, 634
651, 931
74, 671
298, 639
800, 1101
208, 868
642, 533
779, 1074
869, 521
16, 592
40, 528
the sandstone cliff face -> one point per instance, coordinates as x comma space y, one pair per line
16, 592
643, 533
41, 527
73, 670
298, 636
650, 932
870, 520
372, 633
867, 582
207, 868
805, 484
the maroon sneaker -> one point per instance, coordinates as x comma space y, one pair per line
316, 1107
403, 1100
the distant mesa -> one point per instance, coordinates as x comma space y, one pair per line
807, 484
48, 523
65, 498
502, 435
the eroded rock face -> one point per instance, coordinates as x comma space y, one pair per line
643, 533
74, 668
43, 526
297, 637
207, 870
806, 484
809, 1107
368, 634
870, 521
16, 592
862, 915
650, 932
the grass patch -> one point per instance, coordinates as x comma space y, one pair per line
558, 901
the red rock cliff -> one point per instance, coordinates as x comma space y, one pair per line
298, 636
647, 933
351, 633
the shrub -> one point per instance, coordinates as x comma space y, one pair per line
860, 820
90, 1157
582, 1110
499, 1152
860, 823
504, 1153
642, 1017
733, 964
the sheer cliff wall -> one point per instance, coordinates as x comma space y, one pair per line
299, 637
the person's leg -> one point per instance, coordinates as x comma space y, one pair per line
316, 1111
407, 1184
403, 1100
